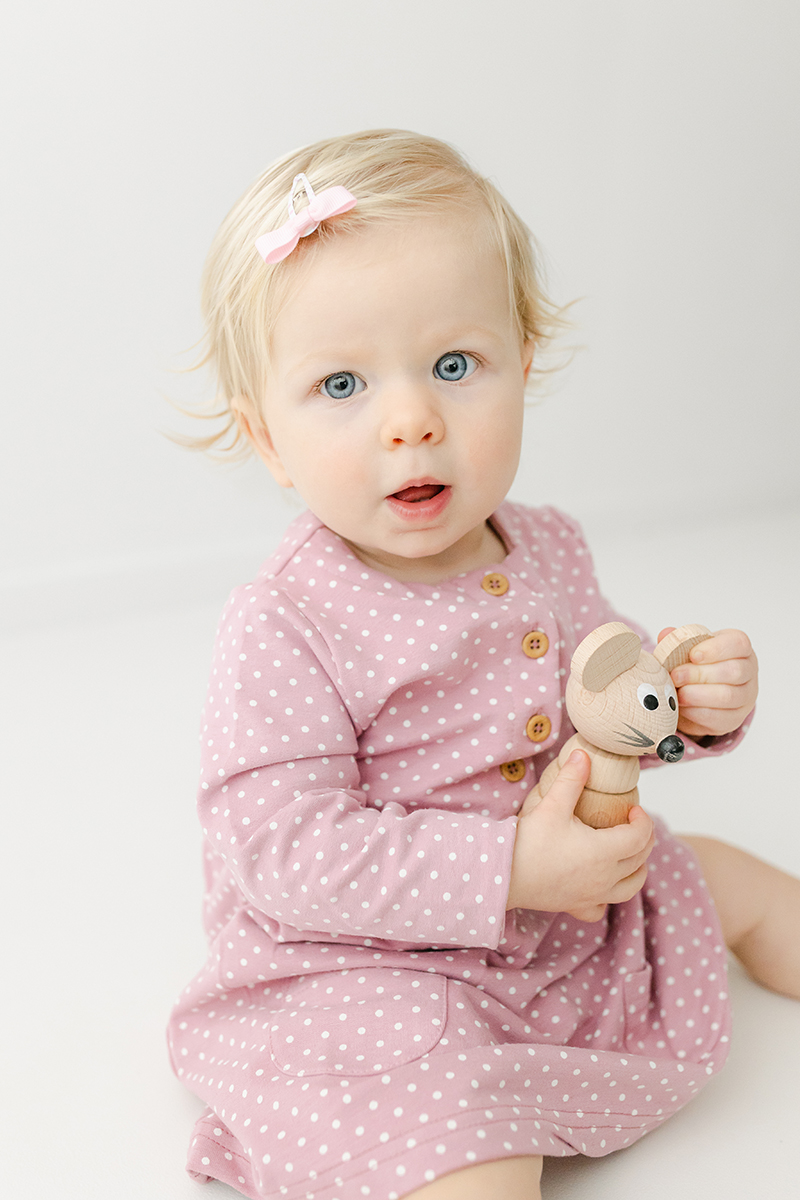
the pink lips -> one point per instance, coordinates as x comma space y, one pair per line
419, 492
420, 500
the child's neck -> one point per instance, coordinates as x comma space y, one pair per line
484, 549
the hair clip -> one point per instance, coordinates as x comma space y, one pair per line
334, 200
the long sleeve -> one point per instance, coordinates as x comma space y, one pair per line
367, 744
281, 802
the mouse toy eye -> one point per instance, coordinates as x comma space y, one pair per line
648, 697
342, 385
672, 697
455, 366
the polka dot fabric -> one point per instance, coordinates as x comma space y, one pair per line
369, 1016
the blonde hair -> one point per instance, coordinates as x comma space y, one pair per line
394, 173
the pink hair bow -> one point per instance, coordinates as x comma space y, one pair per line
335, 200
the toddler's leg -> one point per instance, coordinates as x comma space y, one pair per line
502, 1179
759, 910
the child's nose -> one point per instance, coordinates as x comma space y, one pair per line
411, 418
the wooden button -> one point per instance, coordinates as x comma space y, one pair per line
494, 584
535, 643
514, 770
538, 728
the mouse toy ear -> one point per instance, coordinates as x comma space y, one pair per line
674, 650
605, 654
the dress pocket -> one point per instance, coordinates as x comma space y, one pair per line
636, 990
358, 1022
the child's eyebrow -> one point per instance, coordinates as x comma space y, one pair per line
463, 335
333, 358
455, 336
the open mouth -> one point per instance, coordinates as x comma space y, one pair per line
420, 501
415, 495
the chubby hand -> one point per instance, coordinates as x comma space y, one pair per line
562, 865
717, 688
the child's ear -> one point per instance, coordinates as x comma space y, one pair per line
259, 438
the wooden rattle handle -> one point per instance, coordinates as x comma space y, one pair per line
601, 810
598, 809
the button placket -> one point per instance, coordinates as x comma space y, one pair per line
495, 584
535, 643
538, 727
514, 770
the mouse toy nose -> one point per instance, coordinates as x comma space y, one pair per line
670, 749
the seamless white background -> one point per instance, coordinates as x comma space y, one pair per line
652, 147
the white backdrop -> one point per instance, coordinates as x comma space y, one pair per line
651, 146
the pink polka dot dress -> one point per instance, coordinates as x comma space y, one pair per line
370, 1017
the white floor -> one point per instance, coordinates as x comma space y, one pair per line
101, 864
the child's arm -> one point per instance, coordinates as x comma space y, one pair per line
562, 865
282, 804
717, 688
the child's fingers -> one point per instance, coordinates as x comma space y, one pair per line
533, 798
724, 644
622, 842
695, 724
735, 672
567, 786
713, 695
705, 722
633, 861
627, 888
717, 689
624, 890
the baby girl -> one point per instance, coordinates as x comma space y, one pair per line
422, 977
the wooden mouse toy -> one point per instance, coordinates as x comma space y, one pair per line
622, 702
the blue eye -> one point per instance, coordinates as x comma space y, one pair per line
342, 385
455, 366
